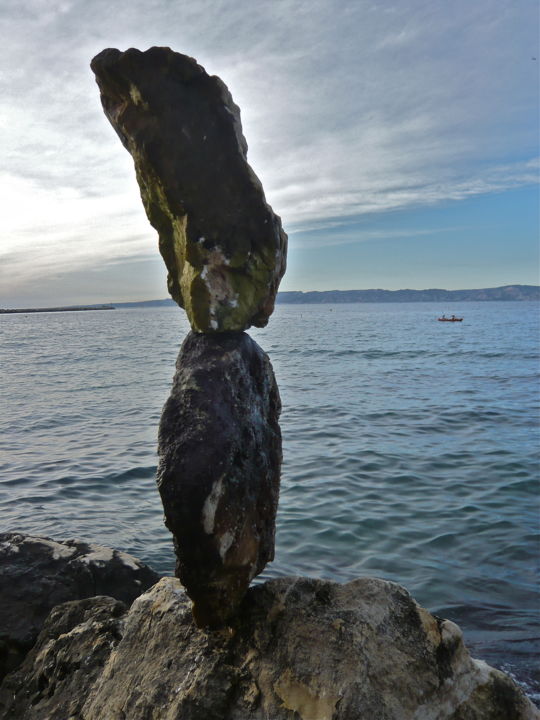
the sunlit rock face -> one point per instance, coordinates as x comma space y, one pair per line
302, 648
223, 246
219, 468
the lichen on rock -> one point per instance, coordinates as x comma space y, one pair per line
224, 248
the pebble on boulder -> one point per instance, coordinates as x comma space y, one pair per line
219, 469
224, 248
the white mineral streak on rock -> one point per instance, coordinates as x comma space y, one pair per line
99, 556
128, 560
225, 542
215, 278
210, 506
58, 550
9, 547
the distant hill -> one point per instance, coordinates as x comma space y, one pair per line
507, 292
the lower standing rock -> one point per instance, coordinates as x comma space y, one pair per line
219, 468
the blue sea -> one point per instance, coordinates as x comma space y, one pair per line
411, 448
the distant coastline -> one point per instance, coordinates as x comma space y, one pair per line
507, 292
71, 308
510, 293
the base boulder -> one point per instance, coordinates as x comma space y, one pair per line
300, 649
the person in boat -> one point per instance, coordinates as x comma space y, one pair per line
453, 317
444, 316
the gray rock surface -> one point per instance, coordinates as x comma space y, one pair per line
219, 469
223, 246
37, 573
301, 649
67, 660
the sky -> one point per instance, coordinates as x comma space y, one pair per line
398, 141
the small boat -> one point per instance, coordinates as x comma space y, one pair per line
450, 319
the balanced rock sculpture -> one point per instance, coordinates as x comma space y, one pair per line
223, 246
225, 250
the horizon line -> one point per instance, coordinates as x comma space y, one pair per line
92, 304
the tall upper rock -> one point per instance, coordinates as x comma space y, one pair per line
224, 248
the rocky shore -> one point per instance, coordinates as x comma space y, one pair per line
106, 639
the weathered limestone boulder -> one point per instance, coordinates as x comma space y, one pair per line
301, 649
219, 469
223, 246
62, 668
38, 573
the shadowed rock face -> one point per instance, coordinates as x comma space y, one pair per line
223, 246
219, 467
37, 573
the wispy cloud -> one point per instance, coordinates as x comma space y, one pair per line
349, 109
346, 235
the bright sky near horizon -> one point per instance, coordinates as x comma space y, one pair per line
398, 141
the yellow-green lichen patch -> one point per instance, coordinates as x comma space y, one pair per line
136, 96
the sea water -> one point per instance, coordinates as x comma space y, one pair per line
411, 448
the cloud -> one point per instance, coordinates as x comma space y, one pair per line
51, 231
346, 235
323, 202
349, 109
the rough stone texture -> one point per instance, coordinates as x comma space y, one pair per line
223, 246
219, 469
38, 573
63, 666
300, 650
